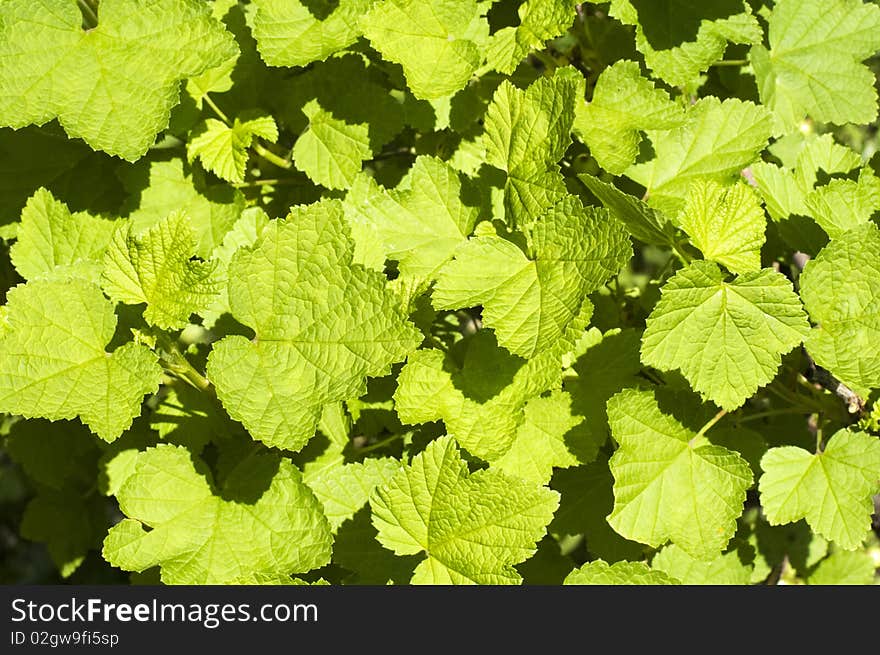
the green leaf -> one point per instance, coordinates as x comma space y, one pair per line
587, 500
156, 269
197, 536
643, 222
844, 567
473, 527
243, 234
52, 242
831, 489
539, 20
727, 338
606, 366
527, 133
550, 436
533, 299
32, 157
56, 455
69, 524
419, 36
307, 351
680, 38
189, 417
844, 204
357, 550
716, 142
296, 33
841, 291
162, 187
624, 103
669, 482
620, 573
331, 151
345, 488
223, 149
50, 67
53, 362
813, 65
478, 390
419, 223
726, 569
726, 223
351, 88
785, 189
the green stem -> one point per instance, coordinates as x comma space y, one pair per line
703, 430
223, 117
270, 156
819, 445
651, 377
786, 394
680, 252
268, 182
549, 63
89, 14
732, 62
774, 412
400, 152
178, 365
380, 444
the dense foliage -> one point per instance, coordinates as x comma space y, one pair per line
439, 291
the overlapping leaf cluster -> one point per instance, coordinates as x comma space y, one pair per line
440, 291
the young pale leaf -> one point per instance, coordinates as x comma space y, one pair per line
292, 33
52, 242
155, 268
550, 436
532, 300
197, 536
539, 20
813, 66
624, 103
421, 222
52, 68
726, 223
479, 394
669, 483
53, 362
716, 142
473, 527
832, 489
619, 573
223, 149
726, 337
527, 133
322, 325
726, 569
331, 151
841, 291
437, 43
